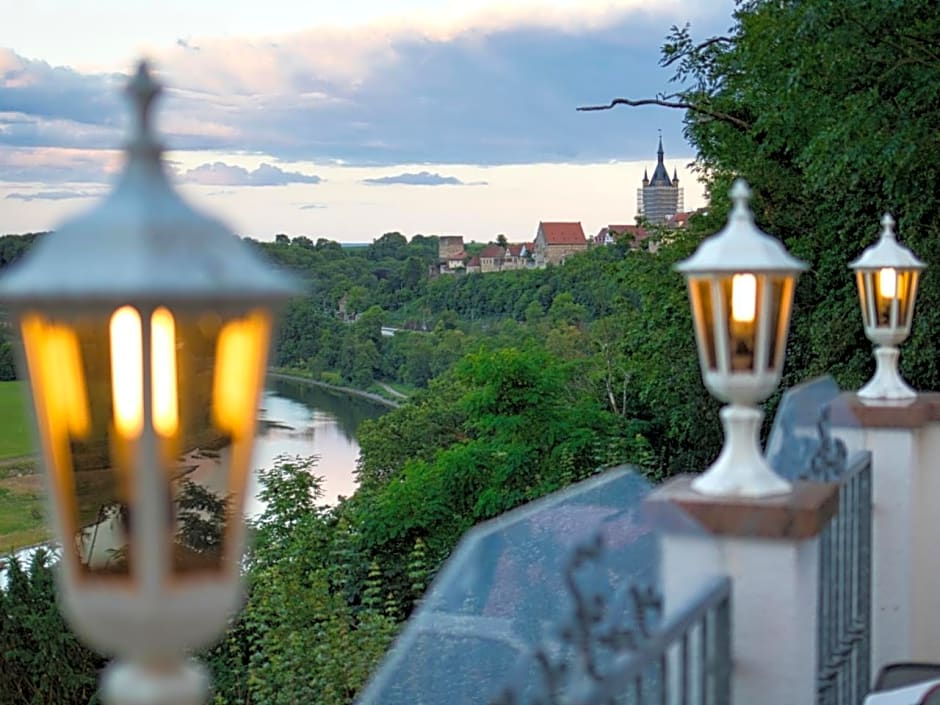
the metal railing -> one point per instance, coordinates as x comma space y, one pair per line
687, 661
684, 660
844, 617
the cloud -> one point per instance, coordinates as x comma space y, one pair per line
500, 91
422, 178
222, 174
53, 165
39, 103
62, 195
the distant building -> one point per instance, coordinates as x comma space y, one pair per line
660, 197
554, 242
473, 266
451, 257
448, 246
491, 258
518, 255
680, 220
636, 234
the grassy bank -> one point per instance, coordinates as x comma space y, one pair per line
22, 518
15, 435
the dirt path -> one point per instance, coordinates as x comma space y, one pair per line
345, 390
17, 460
394, 392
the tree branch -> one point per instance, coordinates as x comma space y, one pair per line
680, 105
695, 50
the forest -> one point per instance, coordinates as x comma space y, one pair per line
523, 382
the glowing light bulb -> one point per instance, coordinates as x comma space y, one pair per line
888, 282
53, 351
743, 298
239, 369
163, 375
127, 371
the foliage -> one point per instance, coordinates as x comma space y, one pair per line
299, 638
7, 361
501, 428
839, 100
43, 662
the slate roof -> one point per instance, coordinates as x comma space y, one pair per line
660, 175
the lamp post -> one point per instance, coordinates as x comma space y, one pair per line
887, 274
741, 285
145, 329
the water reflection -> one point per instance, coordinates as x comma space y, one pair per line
302, 419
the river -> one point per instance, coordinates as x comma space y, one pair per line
303, 419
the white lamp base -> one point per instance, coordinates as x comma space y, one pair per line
887, 382
741, 470
181, 683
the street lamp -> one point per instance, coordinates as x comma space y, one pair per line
887, 274
741, 285
145, 329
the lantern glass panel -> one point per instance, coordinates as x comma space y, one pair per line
886, 294
779, 306
69, 365
865, 285
221, 371
703, 311
742, 312
907, 289
90, 380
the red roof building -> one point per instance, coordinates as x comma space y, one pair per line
555, 241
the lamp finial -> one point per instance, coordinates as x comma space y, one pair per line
142, 89
887, 224
741, 195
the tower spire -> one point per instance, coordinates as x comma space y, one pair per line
659, 152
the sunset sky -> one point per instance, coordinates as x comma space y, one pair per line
348, 119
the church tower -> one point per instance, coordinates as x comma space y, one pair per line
660, 197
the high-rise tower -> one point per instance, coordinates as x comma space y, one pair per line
660, 197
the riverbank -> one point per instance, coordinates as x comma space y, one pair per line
352, 391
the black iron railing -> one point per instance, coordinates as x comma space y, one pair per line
684, 659
844, 618
687, 661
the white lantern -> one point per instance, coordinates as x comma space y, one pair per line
887, 274
741, 285
145, 329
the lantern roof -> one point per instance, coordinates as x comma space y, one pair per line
887, 252
740, 246
143, 242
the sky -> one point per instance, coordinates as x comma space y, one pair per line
348, 119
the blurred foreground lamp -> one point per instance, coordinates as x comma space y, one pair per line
145, 329
741, 285
887, 274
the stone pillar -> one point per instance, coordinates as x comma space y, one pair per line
904, 440
769, 547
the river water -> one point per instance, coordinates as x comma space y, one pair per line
306, 420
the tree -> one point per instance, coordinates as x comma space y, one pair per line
7, 362
43, 661
831, 130
390, 245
